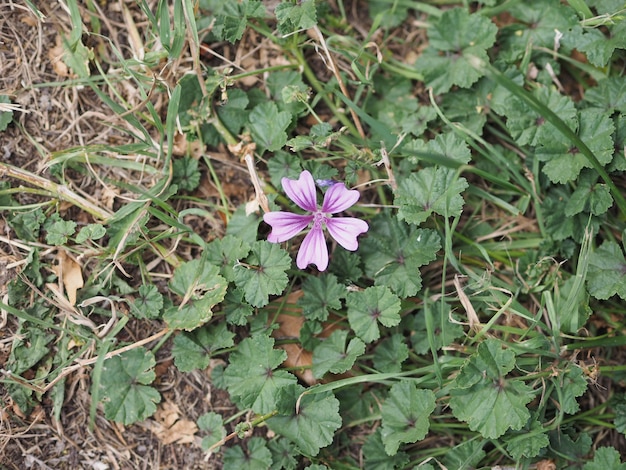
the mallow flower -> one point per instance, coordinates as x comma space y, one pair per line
344, 230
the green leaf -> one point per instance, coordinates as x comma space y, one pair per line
59, 230
201, 288
564, 161
263, 272
321, 294
484, 398
389, 13
528, 127
609, 95
598, 47
466, 455
283, 454
233, 112
268, 125
258, 456
391, 353
212, 425
124, 386
148, 303
231, 23
607, 272
185, 173
528, 442
431, 190
251, 378
75, 54
243, 226
313, 424
30, 345
605, 458
295, 17
545, 16
235, 308
589, 197
572, 384
566, 447
332, 355
90, 232
377, 459
453, 40
619, 408
5, 116
405, 415
193, 350
393, 252
27, 223
369, 307
225, 253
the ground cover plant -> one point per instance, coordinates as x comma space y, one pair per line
373, 234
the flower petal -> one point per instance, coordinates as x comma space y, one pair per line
313, 250
338, 198
285, 225
301, 191
345, 230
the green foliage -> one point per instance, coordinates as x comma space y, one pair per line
369, 307
251, 377
124, 386
431, 190
321, 295
295, 17
394, 251
263, 273
90, 232
58, 230
309, 421
607, 272
200, 287
193, 350
212, 425
267, 125
469, 311
334, 356
564, 161
484, 398
604, 458
256, 456
149, 302
455, 39
186, 174
5, 116
405, 415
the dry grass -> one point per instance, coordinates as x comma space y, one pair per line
53, 117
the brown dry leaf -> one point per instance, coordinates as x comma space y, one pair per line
290, 321
184, 147
71, 273
168, 426
55, 54
546, 465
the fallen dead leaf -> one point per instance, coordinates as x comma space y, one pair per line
55, 54
290, 322
70, 272
169, 427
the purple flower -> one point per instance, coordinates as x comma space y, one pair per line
344, 230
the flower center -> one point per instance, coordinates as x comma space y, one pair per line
319, 219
